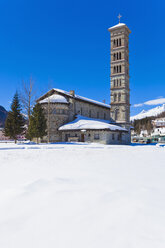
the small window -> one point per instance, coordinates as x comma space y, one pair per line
96, 136
119, 137
113, 136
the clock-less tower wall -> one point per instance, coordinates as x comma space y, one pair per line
120, 92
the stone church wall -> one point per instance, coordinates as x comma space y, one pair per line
97, 136
62, 113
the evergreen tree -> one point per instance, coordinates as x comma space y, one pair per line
37, 125
14, 124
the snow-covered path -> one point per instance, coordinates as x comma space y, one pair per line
82, 196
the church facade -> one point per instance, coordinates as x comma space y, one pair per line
71, 117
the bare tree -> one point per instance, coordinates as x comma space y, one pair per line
28, 97
49, 113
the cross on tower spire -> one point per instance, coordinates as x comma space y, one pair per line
119, 16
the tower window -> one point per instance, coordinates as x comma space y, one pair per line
119, 68
119, 97
120, 55
120, 42
114, 97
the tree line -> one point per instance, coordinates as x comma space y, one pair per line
146, 123
31, 124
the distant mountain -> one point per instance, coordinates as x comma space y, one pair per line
148, 113
3, 115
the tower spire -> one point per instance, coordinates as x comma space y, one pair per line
119, 16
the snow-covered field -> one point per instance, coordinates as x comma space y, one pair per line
82, 196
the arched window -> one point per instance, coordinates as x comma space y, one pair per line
114, 57
120, 42
114, 43
117, 42
120, 55
120, 82
119, 97
120, 68
114, 83
117, 56
114, 70
114, 97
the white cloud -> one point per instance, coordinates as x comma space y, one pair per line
151, 102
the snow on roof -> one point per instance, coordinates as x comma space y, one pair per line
119, 25
85, 123
83, 98
151, 112
54, 99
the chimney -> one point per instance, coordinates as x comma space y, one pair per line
72, 92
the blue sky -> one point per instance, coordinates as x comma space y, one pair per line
65, 44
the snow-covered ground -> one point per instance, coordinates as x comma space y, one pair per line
82, 196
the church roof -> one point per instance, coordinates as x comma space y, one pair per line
66, 94
85, 123
83, 98
54, 99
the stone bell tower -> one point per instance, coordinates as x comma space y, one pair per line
120, 92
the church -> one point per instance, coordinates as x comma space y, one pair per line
74, 118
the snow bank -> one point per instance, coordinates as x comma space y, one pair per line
88, 196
